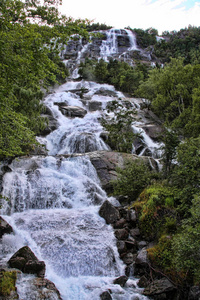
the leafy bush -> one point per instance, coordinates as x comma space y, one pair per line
155, 207
120, 132
132, 179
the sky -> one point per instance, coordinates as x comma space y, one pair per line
160, 14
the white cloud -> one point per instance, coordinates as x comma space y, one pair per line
160, 14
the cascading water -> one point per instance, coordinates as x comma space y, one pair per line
54, 204
109, 47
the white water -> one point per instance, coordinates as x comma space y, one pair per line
109, 46
53, 208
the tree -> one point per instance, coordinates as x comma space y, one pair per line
120, 132
30, 42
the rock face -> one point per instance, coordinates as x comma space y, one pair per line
46, 289
161, 286
26, 261
73, 111
4, 227
109, 212
105, 163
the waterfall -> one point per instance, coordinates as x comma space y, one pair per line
54, 202
109, 47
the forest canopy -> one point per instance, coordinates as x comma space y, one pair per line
30, 39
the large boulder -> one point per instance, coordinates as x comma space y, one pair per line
121, 280
46, 289
4, 227
154, 131
26, 261
73, 111
94, 105
162, 287
105, 296
105, 163
109, 212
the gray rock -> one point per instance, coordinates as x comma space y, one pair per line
73, 111
26, 261
46, 289
121, 234
159, 286
128, 258
121, 246
194, 293
94, 105
142, 258
105, 296
121, 280
135, 232
5, 228
109, 212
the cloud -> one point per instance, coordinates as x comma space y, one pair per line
160, 14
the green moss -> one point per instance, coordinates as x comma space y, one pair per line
7, 282
157, 215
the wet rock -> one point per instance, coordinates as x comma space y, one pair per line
120, 223
83, 143
105, 296
141, 263
128, 258
109, 212
160, 286
131, 216
5, 228
142, 258
194, 293
26, 261
107, 93
94, 105
105, 163
135, 232
52, 125
154, 131
143, 282
73, 111
121, 246
123, 200
38, 150
121, 234
142, 244
121, 280
131, 244
46, 289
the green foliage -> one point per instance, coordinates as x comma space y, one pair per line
185, 176
184, 43
171, 141
120, 74
173, 91
29, 60
186, 245
97, 26
120, 132
132, 179
7, 282
146, 37
157, 215
161, 255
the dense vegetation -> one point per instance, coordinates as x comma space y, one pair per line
120, 74
30, 38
